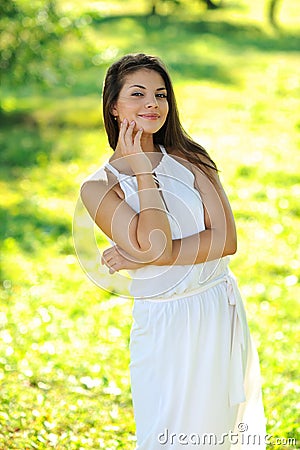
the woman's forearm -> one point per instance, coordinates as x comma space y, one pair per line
198, 248
153, 228
186, 251
205, 246
195, 249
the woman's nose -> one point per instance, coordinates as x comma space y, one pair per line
151, 102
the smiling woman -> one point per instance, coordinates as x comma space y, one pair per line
143, 99
193, 366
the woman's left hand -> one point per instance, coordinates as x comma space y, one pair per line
117, 259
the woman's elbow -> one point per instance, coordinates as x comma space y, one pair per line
230, 247
165, 259
157, 247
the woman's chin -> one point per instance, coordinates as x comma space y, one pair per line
148, 128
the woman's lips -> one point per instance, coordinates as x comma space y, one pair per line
149, 116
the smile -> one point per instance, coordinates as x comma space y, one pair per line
149, 116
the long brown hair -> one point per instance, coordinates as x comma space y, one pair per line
171, 135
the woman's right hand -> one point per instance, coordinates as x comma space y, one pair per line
130, 147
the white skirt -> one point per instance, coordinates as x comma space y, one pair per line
195, 375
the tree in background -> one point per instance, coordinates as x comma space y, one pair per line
271, 5
32, 33
211, 4
273, 12
30, 38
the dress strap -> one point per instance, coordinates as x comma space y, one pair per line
112, 169
163, 150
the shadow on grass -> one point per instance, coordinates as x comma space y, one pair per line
32, 229
238, 36
23, 146
179, 42
175, 40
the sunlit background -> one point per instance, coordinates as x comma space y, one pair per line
63, 341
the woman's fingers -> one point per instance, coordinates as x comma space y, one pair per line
128, 135
129, 142
105, 258
108, 254
122, 131
137, 139
111, 264
110, 258
125, 135
113, 259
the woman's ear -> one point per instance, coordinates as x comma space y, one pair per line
114, 111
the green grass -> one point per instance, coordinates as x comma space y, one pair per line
63, 341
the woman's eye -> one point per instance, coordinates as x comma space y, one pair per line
140, 94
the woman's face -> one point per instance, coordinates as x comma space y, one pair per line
143, 98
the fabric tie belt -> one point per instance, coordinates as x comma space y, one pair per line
238, 351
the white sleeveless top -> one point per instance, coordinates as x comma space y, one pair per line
186, 217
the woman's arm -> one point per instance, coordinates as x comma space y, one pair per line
219, 237
145, 236
217, 240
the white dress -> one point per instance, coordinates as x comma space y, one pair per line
195, 375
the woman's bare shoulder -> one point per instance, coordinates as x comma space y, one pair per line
101, 175
103, 180
181, 158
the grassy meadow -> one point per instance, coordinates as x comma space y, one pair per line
64, 354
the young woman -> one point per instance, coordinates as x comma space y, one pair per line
194, 371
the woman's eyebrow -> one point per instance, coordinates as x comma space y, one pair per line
143, 87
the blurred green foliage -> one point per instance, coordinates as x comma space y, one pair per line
30, 37
211, 4
63, 342
34, 36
